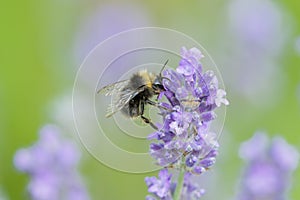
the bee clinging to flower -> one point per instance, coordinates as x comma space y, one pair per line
131, 95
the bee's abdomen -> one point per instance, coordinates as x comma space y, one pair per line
132, 109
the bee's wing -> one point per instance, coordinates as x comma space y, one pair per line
121, 96
120, 101
113, 88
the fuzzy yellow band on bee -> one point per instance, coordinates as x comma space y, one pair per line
148, 77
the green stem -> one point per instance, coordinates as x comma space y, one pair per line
179, 184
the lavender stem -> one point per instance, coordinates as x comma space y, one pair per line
179, 186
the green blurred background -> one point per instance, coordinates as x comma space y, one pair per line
42, 45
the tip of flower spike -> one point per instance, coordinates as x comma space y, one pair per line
220, 98
284, 154
252, 148
191, 53
23, 160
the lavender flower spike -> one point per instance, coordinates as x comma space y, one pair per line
52, 165
193, 95
185, 141
269, 168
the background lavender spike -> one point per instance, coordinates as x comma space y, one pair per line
269, 165
52, 164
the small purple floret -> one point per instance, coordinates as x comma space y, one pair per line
160, 186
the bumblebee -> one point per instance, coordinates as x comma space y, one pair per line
131, 95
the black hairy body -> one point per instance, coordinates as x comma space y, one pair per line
135, 107
142, 82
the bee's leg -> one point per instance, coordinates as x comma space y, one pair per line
152, 103
145, 119
148, 121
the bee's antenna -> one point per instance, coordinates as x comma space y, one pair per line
163, 67
162, 78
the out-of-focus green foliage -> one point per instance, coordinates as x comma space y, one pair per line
36, 66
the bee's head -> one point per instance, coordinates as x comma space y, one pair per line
157, 84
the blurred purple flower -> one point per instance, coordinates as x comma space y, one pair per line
269, 167
184, 140
106, 21
99, 25
259, 31
52, 164
258, 24
253, 148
